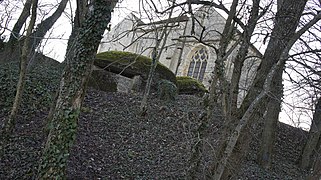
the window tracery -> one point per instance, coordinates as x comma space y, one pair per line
198, 63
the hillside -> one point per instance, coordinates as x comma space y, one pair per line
114, 142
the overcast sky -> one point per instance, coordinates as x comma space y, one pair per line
56, 44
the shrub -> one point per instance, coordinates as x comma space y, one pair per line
167, 90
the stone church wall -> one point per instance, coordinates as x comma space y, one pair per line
130, 35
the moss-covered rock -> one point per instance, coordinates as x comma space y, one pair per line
130, 64
188, 85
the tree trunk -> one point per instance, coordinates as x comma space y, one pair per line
72, 91
78, 20
219, 89
12, 49
273, 109
15, 33
314, 136
155, 58
242, 53
234, 136
316, 174
219, 83
47, 24
37, 35
10, 123
271, 118
286, 23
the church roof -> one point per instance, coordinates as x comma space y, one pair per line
182, 18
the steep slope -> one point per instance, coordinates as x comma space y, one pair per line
113, 142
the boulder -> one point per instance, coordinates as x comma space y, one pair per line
103, 81
130, 65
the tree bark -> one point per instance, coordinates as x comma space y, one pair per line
242, 53
270, 119
314, 135
78, 20
72, 91
219, 84
10, 122
234, 137
286, 23
47, 24
273, 108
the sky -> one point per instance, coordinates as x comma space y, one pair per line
55, 45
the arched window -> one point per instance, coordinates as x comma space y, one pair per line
198, 64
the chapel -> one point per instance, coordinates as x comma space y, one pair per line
189, 48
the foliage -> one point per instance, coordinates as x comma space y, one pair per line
41, 84
188, 85
135, 62
167, 90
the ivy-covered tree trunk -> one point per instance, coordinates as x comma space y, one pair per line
78, 20
72, 91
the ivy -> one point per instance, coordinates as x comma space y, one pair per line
41, 83
71, 91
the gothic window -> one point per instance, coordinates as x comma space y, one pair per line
198, 64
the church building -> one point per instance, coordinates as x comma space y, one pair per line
185, 54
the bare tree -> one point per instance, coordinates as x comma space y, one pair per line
273, 106
38, 34
9, 124
77, 21
15, 33
160, 42
27, 51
